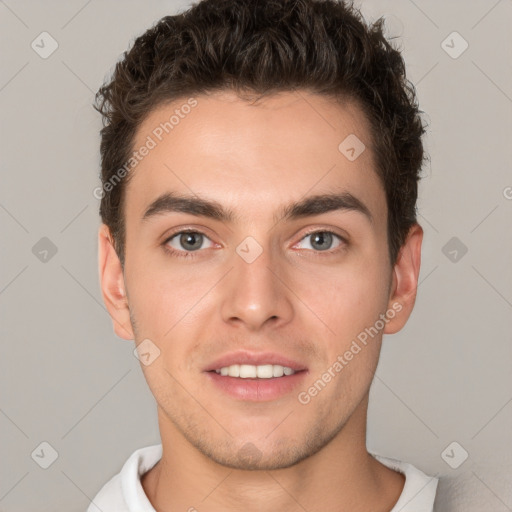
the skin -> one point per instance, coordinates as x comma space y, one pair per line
293, 299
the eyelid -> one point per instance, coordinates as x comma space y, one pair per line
182, 253
182, 230
342, 237
179, 231
185, 229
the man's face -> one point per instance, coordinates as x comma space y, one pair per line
296, 289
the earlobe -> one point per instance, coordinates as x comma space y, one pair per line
112, 284
405, 280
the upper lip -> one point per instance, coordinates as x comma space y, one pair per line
254, 358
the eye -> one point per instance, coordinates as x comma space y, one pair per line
322, 240
188, 241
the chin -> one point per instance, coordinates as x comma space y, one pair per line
251, 458
264, 455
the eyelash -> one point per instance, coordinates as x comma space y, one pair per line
190, 254
181, 254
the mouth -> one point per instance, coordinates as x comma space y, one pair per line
249, 371
255, 377
244, 364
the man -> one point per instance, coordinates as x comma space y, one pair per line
260, 163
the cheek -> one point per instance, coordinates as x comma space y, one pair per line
347, 299
165, 300
169, 311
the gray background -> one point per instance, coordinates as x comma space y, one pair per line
68, 381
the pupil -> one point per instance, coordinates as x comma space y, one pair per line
322, 240
191, 241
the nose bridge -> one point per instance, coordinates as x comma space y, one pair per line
254, 294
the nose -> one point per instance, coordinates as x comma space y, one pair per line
255, 294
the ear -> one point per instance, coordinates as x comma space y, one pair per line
405, 280
112, 284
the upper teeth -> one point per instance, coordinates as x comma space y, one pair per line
248, 371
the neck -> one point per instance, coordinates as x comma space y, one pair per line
341, 477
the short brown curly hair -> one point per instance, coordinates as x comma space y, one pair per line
268, 46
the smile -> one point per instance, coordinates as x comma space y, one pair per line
249, 371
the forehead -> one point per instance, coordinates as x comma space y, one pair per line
255, 156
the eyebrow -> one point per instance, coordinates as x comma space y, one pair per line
170, 202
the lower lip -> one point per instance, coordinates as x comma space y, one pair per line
257, 390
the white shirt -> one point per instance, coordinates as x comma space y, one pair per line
124, 492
